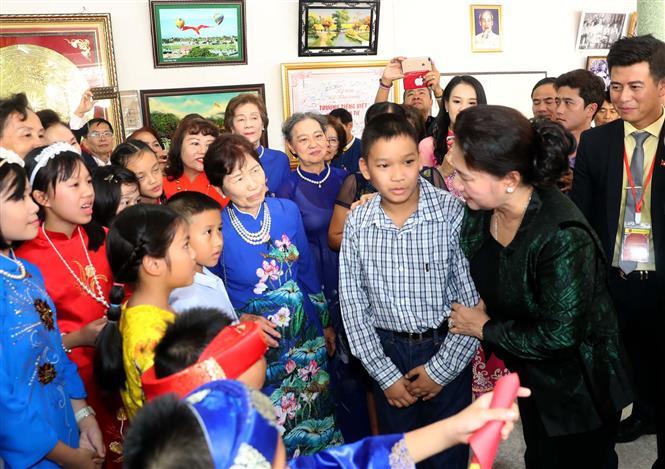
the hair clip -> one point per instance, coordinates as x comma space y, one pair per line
111, 178
47, 154
9, 156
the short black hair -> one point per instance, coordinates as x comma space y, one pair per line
107, 182
165, 434
97, 120
384, 107
542, 82
386, 127
185, 339
14, 103
127, 150
342, 114
607, 96
591, 88
499, 139
49, 118
190, 203
632, 50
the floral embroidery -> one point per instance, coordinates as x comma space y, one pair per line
281, 318
249, 458
297, 380
399, 456
46, 373
45, 313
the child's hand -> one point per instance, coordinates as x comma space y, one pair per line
422, 386
398, 395
479, 413
83, 458
91, 436
363, 200
87, 335
270, 332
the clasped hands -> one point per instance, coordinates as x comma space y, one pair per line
414, 385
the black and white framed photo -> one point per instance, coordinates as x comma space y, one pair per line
598, 31
332, 28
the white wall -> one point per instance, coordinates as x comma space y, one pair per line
538, 35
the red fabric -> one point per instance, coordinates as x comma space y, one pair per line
199, 184
74, 309
486, 372
485, 441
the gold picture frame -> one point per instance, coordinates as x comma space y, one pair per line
82, 47
486, 28
329, 85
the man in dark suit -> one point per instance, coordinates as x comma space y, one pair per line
615, 192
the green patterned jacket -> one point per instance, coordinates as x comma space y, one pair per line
554, 322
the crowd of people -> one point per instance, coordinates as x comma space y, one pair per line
208, 306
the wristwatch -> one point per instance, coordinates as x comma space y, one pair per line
87, 411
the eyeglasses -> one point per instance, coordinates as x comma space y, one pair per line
100, 134
333, 140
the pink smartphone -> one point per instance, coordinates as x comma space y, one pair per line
414, 70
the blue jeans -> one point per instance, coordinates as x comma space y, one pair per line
407, 354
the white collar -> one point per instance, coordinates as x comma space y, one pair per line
348, 145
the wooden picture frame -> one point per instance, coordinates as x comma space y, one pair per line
55, 58
323, 86
164, 108
486, 28
192, 34
599, 30
333, 28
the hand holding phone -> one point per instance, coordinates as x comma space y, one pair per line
415, 69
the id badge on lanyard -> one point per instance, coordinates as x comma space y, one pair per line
636, 234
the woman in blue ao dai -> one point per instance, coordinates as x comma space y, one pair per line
45, 419
269, 271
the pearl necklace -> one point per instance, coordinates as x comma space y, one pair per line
254, 238
89, 270
21, 268
312, 181
263, 149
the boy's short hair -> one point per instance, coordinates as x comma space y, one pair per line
186, 338
165, 434
190, 203
386, 127
591, 88
342, 114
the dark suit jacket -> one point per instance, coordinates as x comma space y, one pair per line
552, 318
597, 187
89, 161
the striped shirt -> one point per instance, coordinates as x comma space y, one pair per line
405, 280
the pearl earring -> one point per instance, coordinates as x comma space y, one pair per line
510, 190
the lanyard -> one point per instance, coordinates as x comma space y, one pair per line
638, 203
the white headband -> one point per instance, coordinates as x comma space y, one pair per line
9, 156
46, 154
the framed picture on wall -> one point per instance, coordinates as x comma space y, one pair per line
323, 86
486, 28
163, 109
131, 111
188, 33
598, 31
54, 59
598, 66
338, 28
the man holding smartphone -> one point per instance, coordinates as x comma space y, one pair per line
420, 98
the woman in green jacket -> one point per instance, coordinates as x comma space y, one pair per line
539, 269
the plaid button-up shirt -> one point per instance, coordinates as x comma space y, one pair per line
405, 280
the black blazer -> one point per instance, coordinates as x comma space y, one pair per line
597, 187
89, 161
